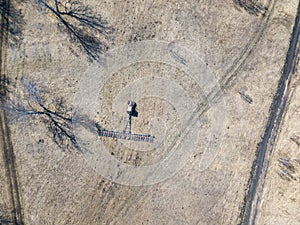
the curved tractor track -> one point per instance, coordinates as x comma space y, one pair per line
120, 210
226, 81
5, 141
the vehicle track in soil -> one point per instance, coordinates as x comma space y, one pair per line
123, 209
6, 143
226, 82
264, 151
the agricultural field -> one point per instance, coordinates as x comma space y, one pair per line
212, 139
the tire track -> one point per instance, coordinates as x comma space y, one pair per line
225, 82
6, 143
264, 151
232, 72
229, 76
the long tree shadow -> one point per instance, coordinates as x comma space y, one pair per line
86, 28
253, 7
5, 221
35, 102
12, 23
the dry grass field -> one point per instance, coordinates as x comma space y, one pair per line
167, 55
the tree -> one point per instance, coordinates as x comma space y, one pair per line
82, 24
4, 217
4, 87
58, 118
251, 6
12, 23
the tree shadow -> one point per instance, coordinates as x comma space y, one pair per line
4, 218
30, 101
251, 6
12, 23
84, 27
4, 87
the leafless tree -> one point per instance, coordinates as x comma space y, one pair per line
245, 96
295, 139
287, 169
253, 7
83, 25
5, 221
12, 22
4, 87
4, 218
56, 116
